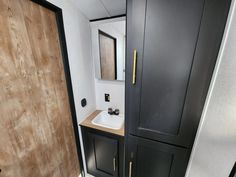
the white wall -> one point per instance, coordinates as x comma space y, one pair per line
214, 152
78, 38
116, 90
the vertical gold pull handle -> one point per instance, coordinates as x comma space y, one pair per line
130, 169
134, 67
114, 164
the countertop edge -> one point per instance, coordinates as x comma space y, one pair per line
87, 122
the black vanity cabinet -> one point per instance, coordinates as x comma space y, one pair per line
154, 159
103, 152
172, 47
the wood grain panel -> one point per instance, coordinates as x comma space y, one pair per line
107, 46
37, 138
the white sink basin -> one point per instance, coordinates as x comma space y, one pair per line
106, 120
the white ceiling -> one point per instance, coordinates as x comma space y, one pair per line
94, 9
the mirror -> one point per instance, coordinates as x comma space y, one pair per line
108, 41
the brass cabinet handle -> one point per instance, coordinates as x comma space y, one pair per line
134, 67
114, 164
130, 169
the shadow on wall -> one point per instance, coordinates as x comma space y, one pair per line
233, 172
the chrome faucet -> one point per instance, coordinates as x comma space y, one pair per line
115, 112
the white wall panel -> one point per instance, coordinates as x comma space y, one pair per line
78, 38
214, 152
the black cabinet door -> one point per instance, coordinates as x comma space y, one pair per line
104, 153
177, 43
147, 158
101, 155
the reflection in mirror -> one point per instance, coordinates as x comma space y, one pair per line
108, 38
107, 48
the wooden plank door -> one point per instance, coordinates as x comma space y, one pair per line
36, 130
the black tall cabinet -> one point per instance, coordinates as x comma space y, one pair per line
172, 47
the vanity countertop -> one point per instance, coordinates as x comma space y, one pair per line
88, 123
